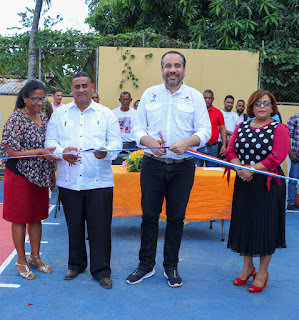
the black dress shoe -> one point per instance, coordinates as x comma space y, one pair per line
71, 274
106, 283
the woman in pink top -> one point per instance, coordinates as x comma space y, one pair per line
258, 210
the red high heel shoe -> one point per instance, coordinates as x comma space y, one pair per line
254, 289
240, 282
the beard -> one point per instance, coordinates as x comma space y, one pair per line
174, 83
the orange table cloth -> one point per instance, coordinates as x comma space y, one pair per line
210, 198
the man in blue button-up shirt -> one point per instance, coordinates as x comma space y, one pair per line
85, 179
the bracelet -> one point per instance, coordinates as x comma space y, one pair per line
253, 168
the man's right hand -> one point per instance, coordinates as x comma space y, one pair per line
293, 156
150, 143
155, 144
70, 158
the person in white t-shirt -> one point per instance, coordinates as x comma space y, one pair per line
125, 115
231, 118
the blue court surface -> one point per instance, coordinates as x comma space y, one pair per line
207, 267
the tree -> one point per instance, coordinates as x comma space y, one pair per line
165, 17
33, 38
236, 24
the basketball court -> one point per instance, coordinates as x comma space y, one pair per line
207, 267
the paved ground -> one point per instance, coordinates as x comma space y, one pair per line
207, 267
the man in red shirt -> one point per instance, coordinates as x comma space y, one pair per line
218, 126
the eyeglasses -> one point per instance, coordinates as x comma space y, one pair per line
36, 100
265, 103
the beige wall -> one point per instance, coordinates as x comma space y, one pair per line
223, 71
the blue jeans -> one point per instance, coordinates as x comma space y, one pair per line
210, 151
294, 173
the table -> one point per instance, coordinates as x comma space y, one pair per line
210, 198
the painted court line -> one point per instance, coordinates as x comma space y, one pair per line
28, 253
51, 223
9, 285
40, 242
14, 252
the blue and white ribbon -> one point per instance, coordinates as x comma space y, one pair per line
190, 152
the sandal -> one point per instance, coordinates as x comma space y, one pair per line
33, 262
26, 274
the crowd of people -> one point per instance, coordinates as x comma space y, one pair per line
168, 119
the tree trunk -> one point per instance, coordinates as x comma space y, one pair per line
33, 40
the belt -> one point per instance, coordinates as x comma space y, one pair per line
126, 143
212, 144
167, 160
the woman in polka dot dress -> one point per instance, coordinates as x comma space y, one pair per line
258, 211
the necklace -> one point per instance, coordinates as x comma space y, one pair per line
30, 113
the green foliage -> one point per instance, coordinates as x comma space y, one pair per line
218, 24
62, 54
280, 73
165, 17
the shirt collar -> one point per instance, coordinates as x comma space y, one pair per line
178, 91
61, 104
92, 105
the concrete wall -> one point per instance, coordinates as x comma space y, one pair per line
225, 72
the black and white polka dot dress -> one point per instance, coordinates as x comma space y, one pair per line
258, 215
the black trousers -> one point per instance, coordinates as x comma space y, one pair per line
172, 182
94, 206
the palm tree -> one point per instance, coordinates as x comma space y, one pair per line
33, 38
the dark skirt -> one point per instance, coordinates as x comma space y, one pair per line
258, 217
23, 201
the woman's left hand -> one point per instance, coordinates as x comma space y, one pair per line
245, 175
49, 157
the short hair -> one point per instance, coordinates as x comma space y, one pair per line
209, 91
134, 105
124, 93
255, 96
241, 100
26, 91
229, 97
81, 74
173, 52
56, 90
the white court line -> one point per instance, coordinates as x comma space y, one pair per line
51, 208
9, 285
29, 253
40, 242
51, 223
10, 257
13, 254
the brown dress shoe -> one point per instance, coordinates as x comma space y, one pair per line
106, 283
71, 274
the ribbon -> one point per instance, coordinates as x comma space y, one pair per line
203, 156
190, 152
